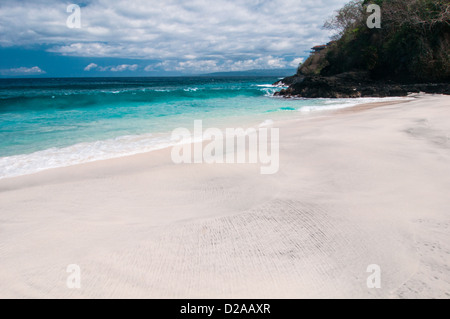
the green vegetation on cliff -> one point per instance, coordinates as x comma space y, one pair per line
412, 45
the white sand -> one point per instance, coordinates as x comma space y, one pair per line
356, 188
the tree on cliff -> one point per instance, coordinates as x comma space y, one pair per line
351, 15
413, 43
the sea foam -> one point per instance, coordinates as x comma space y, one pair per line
25, 164
336, 104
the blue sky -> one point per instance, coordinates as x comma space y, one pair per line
153, 38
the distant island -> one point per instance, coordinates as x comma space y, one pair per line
409, 52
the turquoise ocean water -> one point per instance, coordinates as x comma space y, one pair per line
47, 123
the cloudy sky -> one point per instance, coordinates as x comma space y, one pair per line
163, 37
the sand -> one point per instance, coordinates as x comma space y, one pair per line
355, 188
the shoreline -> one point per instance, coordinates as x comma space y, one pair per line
247, 121
356, 187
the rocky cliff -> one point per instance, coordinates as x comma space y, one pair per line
409, 53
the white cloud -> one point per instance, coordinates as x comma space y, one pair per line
214, 65
124, 67
200, 66
23, 71
296, 62
117, 68
91, 66
191, 33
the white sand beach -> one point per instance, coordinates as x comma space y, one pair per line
356, 187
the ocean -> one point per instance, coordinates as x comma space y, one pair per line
49, 123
